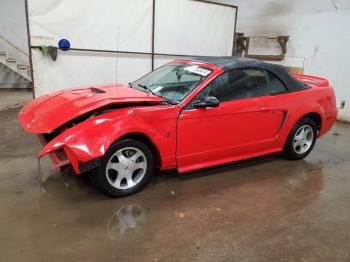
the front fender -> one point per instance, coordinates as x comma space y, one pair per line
90, 140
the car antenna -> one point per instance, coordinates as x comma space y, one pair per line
116, 62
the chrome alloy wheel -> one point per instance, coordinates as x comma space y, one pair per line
126, 168
303, 139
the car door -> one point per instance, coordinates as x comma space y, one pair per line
243, 124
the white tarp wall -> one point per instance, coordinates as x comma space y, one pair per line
319, 33
181, 27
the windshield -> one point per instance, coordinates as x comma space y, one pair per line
173, 81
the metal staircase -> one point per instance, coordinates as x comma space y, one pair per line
13, 54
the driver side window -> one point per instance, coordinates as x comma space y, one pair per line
237, 84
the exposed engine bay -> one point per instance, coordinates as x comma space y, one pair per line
100, 111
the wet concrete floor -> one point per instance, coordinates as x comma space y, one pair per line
264, 209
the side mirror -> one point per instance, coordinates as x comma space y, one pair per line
208, 101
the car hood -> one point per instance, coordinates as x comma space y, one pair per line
48, 112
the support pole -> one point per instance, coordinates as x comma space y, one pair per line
153, 28
29, 47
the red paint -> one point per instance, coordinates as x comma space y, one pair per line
184, 139
56, 109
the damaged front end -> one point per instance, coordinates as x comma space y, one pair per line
58, 157
54, 145
76, 126
81, 142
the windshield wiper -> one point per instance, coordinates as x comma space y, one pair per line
146, 88
169, 101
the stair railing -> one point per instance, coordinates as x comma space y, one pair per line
9, 42
13, 48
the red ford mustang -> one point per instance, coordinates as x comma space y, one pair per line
188, 114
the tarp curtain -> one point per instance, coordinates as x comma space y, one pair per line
181, 27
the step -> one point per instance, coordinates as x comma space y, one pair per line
22, 66
11, 60
2, 53
13, 66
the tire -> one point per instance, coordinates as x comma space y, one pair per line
125, 168
299, 144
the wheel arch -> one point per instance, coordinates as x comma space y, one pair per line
289, 147
316, 117
145, 139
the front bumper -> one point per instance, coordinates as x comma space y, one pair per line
59, 158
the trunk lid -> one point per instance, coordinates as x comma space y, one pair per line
311, 80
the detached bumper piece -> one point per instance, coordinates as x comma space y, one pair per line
59, 159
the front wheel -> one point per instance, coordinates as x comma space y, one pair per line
125, 168
301, 140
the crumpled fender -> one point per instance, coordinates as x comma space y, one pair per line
91, 139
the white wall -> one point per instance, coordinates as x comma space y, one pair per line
318, 30
182, 26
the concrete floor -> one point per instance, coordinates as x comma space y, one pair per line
14, 99
264, 209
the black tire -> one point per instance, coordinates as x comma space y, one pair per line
99, 176
289, 151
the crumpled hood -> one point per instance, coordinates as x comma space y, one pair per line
48, 112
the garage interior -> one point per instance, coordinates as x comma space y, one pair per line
262, 209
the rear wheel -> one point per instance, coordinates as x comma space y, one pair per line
301, 140
125, 168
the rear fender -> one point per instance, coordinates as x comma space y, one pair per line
299, 113
90, 140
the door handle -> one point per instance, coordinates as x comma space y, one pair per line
265, 108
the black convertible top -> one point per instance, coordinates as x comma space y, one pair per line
228, 63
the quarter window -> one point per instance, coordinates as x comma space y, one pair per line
275, 85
